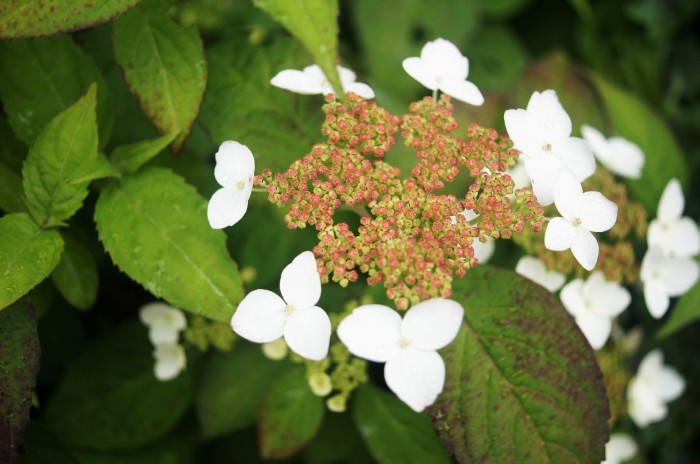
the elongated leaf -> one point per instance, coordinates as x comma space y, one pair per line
522, 383
76, 274
27, 255
99, 169
290, 416
393, 432
315, 24
41, 78
19, 365
154, 227
110, 398
129, 158
64, 150
685, 312
34, 18
164, 66
10, 190
633, 119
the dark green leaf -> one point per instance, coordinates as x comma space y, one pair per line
154, 226
337, 441
129, 158
685, 312
498, 59
520, 365
11, 200
76, 274
27, 255
393, 432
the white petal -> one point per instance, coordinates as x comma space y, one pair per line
656, 298
620, 448
235, 166
585, 248
611, 300
679, 237
226, 207
560, 234
672, 202
444, 59
416, 376
160, 334
625, 158
170, 360
347, 76
363, 90
595, 139
417, 70
568, 194
260, 317
572, 297
679, 275
371, 332
575, 155
595, 328
152, 313
483, 251
644, 404
300, 283
543, 172
534, 269
432, 324
651, 264
462, 90
308, 332
522, 132
597, 213
669, 384
519, 175
552, 119
298, 82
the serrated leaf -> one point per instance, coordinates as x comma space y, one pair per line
110, 399
41, 78
101, 168
35, 18
290, 416
66, 148
633, 119
129, 158
685, 312
76, 274
232, 389
164, 67
19, 365
27, 255
393, 432
10, 190
519, 364
315, 24
154, 226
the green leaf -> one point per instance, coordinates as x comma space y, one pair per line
110, 399
19, 365
633, 119
41, 78
10, 190
27, 255
498, 60
64, 150
521, 365
129, 158
290, 416
100, 168
35, 18
315, 24
685, 312
76, 274
164, 66
154, 226
393, 432
232, 389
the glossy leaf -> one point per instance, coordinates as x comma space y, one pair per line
154, 226
129, 158
76, 274
520, 365
685, 312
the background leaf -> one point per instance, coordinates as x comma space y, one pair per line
685, 312
76, 274
10, 190
129, 158
154, 226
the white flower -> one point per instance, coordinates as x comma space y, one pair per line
673, 234
665, 277
312, 81
619, 449
519, 175
619, 155
234, 171
263, 316
170, 360
442, 66
582, 213
542, 133
650, 390
594, 304
535, 270
164, 322
414, 370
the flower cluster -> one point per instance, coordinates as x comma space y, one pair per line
164, 326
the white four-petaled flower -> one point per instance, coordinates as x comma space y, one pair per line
312, 81
673, 233
263, 316
618, 154
619, 449
652, 387
414, 370
542, 133
535, 270
234, 171
665, 277
441, 66
164, 326
594, 303
582, 213
170, 360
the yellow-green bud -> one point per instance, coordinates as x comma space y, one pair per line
275, 350
320, 384
336, 403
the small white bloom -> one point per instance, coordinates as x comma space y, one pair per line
170, 360
442, 66
414, 370
665, 277
542, 133
263, 316
312, 81
582, 213
674, 234
594, 304
234, 171
617, 154
653, 387
619, 449
163, 321
535, 270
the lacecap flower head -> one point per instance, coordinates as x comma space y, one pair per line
312, 81
234, 171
